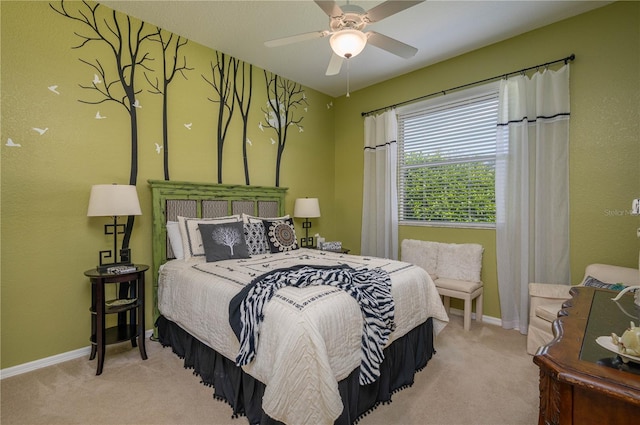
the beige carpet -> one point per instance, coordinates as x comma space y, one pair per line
479, 377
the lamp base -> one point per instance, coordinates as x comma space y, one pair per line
125, 260
307, 242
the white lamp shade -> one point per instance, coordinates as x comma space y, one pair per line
348, 43
113, 200
306, 208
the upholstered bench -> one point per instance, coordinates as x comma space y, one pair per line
454, 268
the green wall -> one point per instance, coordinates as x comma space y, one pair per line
47, 241
604, 134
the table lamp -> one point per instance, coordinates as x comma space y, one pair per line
306, 208
113, 200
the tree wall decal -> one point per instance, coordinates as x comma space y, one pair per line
124, 39
230, 79
171, 45
222, 83
243, 97
283, 99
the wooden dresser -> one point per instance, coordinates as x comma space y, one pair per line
580, 382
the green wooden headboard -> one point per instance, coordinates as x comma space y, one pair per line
170, 199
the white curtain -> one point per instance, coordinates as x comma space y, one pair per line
380, 198
532, 189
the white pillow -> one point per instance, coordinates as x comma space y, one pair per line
192, 239
175, 239
460, 261
253, 219
421, 253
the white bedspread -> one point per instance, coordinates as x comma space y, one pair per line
310, 337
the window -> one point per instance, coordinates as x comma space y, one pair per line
447, 155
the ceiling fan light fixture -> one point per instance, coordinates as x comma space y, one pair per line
348, 43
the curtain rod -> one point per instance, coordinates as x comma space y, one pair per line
443, 92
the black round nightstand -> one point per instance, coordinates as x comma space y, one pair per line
130, 300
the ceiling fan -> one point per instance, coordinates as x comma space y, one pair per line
347, 38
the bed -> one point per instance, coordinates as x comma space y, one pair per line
309, 362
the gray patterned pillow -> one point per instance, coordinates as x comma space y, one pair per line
256, 238
592, 281
223, 241
281, 235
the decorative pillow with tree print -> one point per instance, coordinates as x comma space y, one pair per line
281, 235
223, 241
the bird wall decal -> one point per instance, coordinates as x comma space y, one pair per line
136, 104
249, 142
96, 79
12, 144
188, 126
40, 130
158, 148
99, 117
54, 89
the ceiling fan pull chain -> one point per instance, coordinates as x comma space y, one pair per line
348, 67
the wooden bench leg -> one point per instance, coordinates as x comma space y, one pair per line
479, 307
467, 313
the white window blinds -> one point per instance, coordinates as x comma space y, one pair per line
447, 153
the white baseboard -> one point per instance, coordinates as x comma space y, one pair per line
50, 361
490, 320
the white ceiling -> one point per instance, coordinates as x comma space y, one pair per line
439, 29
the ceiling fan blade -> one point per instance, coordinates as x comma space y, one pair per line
391, 45
330, 7
296, 38
334, 65
389, 8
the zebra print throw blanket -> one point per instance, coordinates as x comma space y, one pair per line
371, 288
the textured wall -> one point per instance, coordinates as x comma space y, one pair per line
47, 239
604, 134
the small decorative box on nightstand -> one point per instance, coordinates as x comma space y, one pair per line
331, 246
